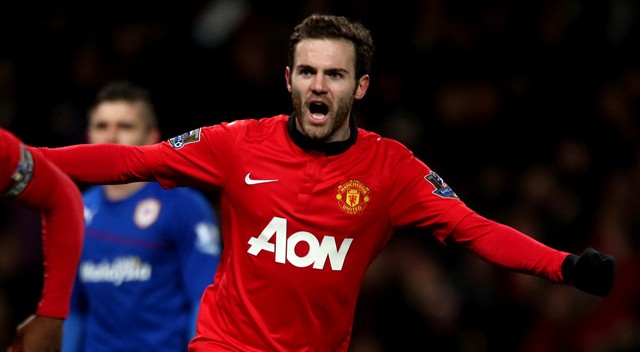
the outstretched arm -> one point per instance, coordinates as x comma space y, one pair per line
593, 271
100, 163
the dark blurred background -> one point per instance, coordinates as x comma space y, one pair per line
529, 110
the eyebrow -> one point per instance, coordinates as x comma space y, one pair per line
330, 70
118, 124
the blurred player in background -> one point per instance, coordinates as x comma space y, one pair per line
148, 253
309, 200
28, 180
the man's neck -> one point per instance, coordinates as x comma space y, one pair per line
120, 192
329, 148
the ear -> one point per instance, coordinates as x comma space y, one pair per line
287, 77
363, 85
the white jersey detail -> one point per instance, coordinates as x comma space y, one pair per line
116, 272
284, 247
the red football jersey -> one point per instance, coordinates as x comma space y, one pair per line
300, 227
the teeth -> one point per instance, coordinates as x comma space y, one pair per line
317, 116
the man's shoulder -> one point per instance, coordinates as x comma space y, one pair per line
92, 193
248, 124
263, 128
187, 201
258, 121
185, 193
371, 139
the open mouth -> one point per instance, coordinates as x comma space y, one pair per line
318, 111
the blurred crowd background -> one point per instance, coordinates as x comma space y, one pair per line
529, 110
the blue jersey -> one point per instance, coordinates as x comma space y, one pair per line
146, 261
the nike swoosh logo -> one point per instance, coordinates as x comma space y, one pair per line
251, 181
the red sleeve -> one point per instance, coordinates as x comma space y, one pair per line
508, 247
9, 158
419, 197
56, 197
100, 163
193, 159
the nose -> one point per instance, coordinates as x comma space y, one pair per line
111, 135
319, 85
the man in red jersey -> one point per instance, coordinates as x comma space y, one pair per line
29, 180
308, 201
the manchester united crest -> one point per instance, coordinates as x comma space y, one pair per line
353, 197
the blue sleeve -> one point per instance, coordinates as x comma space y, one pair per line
199, 244
73, 328
72, 333
193, 320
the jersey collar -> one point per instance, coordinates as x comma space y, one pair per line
332, 148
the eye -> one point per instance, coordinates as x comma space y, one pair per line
126, 126
305, 72
99, 126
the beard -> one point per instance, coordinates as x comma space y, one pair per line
338, 118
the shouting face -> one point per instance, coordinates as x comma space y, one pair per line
323, 86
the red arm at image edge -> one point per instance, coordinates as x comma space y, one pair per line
505, 246
59, 201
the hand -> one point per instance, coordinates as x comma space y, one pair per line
38, 334
593, 272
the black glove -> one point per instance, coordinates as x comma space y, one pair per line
593, 272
